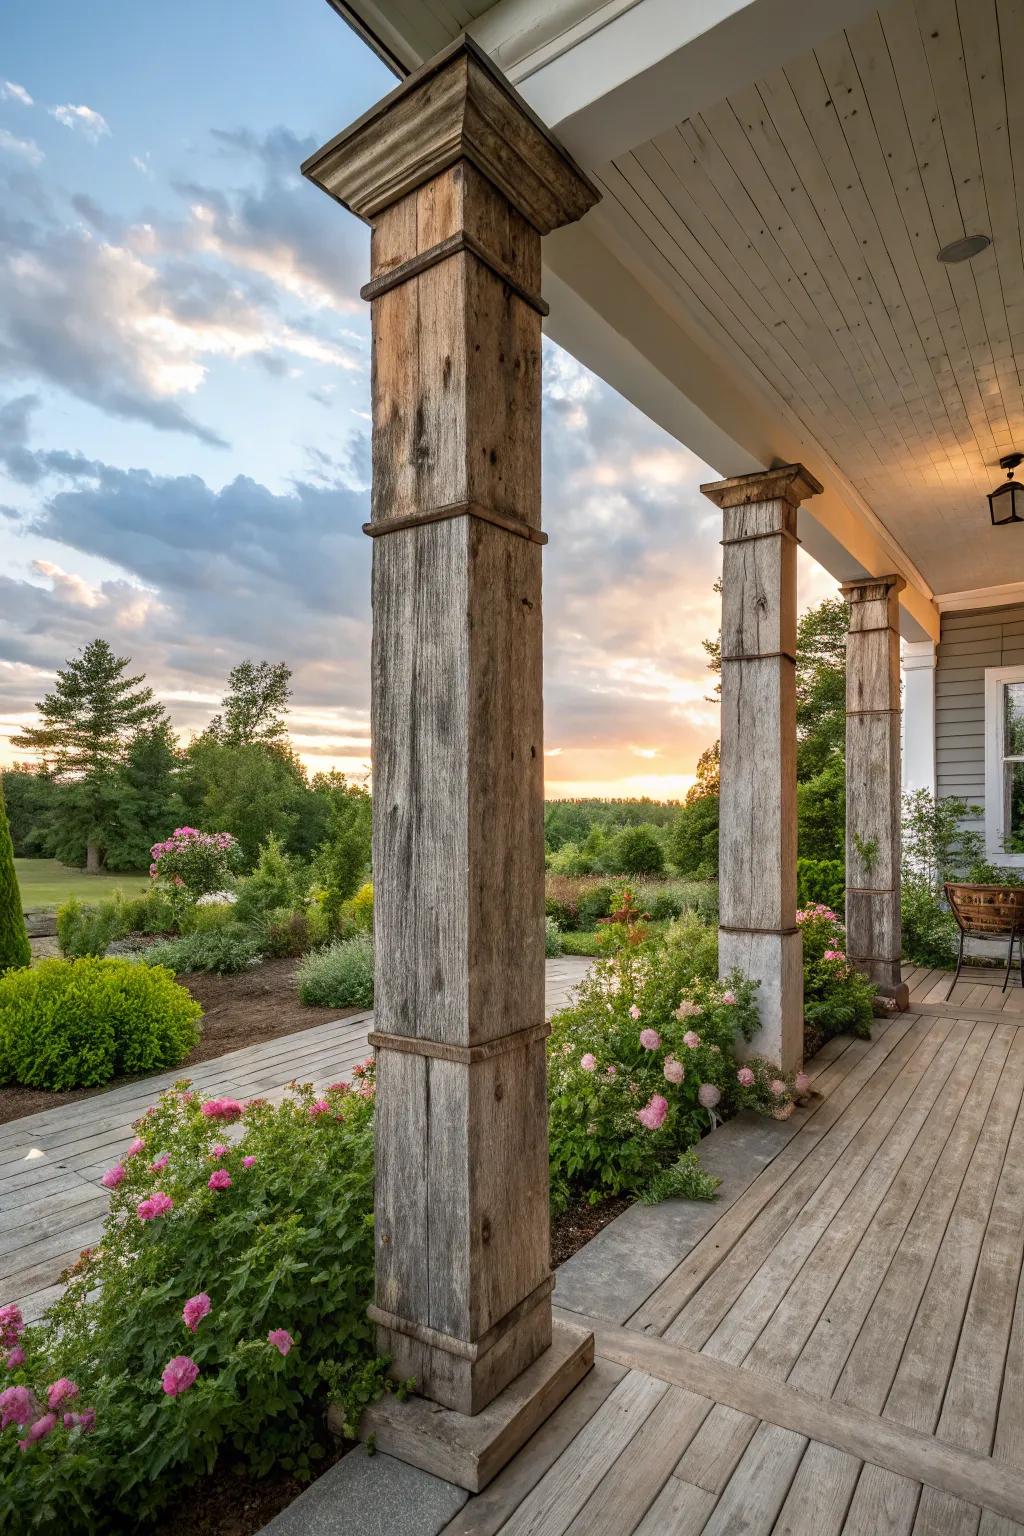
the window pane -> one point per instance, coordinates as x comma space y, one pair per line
1013, 720
1013, 807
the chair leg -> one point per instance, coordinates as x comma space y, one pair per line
1009, 959
959, 966
1020, 957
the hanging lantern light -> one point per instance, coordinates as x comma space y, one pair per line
1006, 502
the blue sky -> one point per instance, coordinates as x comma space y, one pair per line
184, 383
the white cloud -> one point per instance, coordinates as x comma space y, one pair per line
10, 90
93, 124
27, 148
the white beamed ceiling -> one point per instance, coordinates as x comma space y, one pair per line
797, 224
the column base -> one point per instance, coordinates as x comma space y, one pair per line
471, 1450
776, 961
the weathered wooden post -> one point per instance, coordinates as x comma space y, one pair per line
874, 782
757, 819
459, 181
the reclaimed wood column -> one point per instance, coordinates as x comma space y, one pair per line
459, 181
758, 933
874, 781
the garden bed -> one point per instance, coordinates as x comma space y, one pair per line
241, 1010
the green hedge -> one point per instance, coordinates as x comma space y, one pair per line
821, 880
78, 1023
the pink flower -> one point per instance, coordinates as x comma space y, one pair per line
281, 1340
17, 1405
247, 1162
691, 1040
801, 1082
673, 1069
337, 1087
834, 954
12, 1324
160, 1162
158, 1204
650, 1039
686, 1009
220, 1150
15, 1357
222, 1109
709, 1095
728, 997
137, 1146
776, 1087
588, 1062
321, 1107
179, 1374
113, 1177
634, 1012
195, 1309
38, 1431
83, 1421
62, 1391
745, 1077
611, 1072
653, 1112
219, 1179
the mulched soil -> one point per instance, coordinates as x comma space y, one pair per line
256, 1005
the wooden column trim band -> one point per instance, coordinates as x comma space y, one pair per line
444, 250
893, 710
467, 1055
457, 509
874, 629
762, 656
871, 890
465, 1349
781, 932
750, 538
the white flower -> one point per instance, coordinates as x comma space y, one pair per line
217, 899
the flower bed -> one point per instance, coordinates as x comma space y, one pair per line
224, 1306
837, 998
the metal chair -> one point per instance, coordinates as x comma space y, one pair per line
988, 912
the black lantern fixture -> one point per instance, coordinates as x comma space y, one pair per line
1006, 502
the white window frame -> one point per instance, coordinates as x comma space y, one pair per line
995, 678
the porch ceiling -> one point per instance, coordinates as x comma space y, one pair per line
797, 223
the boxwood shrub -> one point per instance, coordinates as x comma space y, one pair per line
77, 1023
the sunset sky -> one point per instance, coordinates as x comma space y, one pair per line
184, 396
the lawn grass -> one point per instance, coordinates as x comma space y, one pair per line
45, 883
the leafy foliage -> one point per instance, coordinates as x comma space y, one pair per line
821, 813
15, 950
253, 709
552, 938
283, 1252
223, 950
273, 884
77, 1023
929, 929
684, 1179
340, 975
837, 998
343, 858
635, 851
693, 839
822, 881
85, 928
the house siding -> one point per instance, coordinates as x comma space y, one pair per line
968, 644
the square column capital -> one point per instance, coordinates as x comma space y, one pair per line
787, 482
458, 106
872, 589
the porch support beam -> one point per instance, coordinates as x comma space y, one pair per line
459, 181
757, 821
873, 781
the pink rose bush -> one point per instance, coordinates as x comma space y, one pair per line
640, 1062
837, 997
191, 864
192, 1323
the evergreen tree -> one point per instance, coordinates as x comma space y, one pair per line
14, 946
87, 726
253, 709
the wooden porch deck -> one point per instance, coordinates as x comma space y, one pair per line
51, 1201
979, 990
836, 1345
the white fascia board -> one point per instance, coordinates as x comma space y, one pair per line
620, 75
611, 323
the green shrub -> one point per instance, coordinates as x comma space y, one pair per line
86, 929
288, 1245
208, 918
651, 1030
340, 975
930, 934
357, 912
821, 880
221, 950
77, 1023
838, 999
15, 949
684, 1179
272, 885
580, 943
293, 933
635, 851
821, 813
152, 913
552, 938
693, 839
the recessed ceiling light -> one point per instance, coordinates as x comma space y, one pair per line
963, 250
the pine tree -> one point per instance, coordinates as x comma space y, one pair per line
88, 724
14, 946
